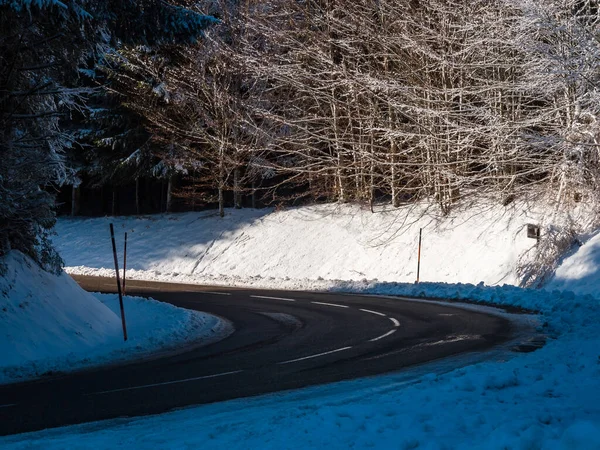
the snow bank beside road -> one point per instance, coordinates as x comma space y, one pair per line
49, 324
312, 244
579, 271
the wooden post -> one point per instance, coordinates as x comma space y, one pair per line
114, 246
124, 262
419, 255
102, 210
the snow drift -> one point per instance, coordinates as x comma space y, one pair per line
48, 324
304, 247
579, 271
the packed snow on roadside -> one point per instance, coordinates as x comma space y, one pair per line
307, 248
48, 324
548, 399
579, 271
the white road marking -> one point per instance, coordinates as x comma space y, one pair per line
8, 405
424, 344
384, 355
273, 298
395, 321
383, 336
315, 356
330, 304
214, 292
373, 312
167, 382
451, 339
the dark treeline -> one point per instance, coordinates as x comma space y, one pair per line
49, 51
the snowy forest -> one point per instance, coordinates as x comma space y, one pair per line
256, 102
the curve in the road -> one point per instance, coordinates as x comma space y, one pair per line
283, 340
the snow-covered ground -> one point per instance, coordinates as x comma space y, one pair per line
548, 399
304, 248
48, 324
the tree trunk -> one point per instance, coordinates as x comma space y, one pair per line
394, 181
221, 206
237, 197
75, 201
372, 188
221, 181
194, 191
170, 194
162, 195
253, 194
221, 185
113, 207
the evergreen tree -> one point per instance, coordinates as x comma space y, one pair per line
43, 43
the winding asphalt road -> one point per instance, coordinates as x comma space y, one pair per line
283, 340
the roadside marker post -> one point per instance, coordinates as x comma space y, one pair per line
419, 256
114, 246
124, 262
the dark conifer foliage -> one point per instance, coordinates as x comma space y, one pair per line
45, 45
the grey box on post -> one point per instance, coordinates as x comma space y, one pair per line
533, 231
